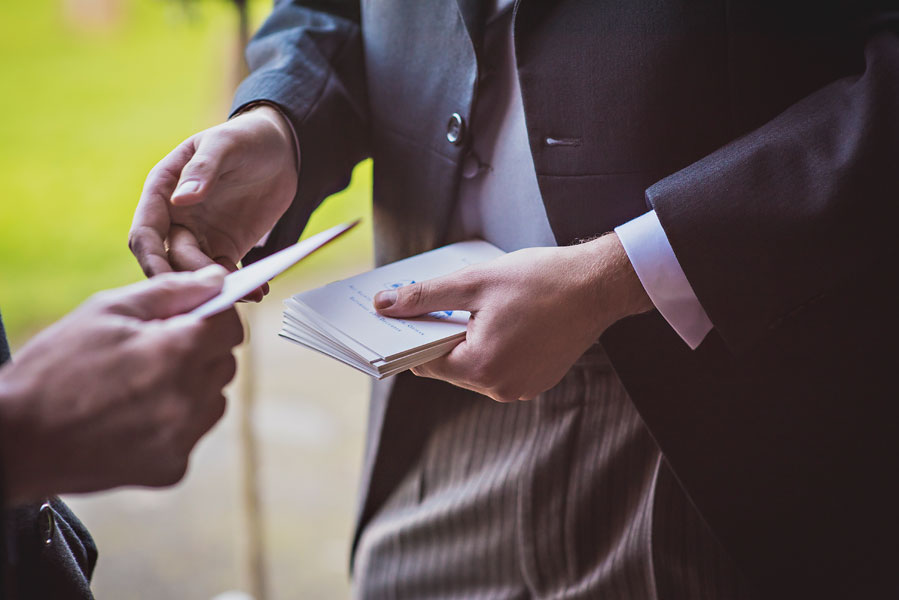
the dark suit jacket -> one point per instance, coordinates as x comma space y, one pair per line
764, 134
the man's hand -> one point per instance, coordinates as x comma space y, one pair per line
118, 391
214, 197
533, 313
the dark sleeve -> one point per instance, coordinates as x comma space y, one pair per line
781, 425
780, 217
38, 569
307, 59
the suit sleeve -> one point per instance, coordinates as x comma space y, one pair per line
782, 216
307, 59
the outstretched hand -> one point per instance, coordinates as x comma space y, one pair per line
119, 391
216, 195
533, 313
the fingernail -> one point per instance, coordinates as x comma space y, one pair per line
187, 187
385, 299
210, 274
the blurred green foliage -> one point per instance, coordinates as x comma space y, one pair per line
90, 103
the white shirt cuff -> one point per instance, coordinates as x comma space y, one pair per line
662, 277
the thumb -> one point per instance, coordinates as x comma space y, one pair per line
457, 291
201, 172
168, 294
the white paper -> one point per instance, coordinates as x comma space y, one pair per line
243, 281
346, 306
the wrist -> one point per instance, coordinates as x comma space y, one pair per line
613, 284
278, 119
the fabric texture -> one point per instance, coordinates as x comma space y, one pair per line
61, 569
566, 496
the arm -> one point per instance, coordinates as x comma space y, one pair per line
794, 209
758, 228
534, 312
307, 60
662, 277
222, 190
785, 234
712, 202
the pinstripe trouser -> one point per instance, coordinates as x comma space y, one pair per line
566, 496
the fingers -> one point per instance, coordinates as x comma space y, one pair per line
202, 171
147, 245
457, 291
167, 295
151, 218
205, 414
221, 371
184, 177
452, 367
219, 333
200, 398
464, 366
209, 406
207, 402
258, 294
185, 253
213, 410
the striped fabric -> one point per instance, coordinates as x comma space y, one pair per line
566, 496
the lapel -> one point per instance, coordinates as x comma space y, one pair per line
474, 17
473, 14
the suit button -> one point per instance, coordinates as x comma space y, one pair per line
46, 523
455, 129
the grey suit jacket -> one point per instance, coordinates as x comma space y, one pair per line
762, 133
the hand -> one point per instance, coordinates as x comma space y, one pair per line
117, 392
214, 197
533, 313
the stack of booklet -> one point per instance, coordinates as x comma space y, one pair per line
339, 319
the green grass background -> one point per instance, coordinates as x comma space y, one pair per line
87, 110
